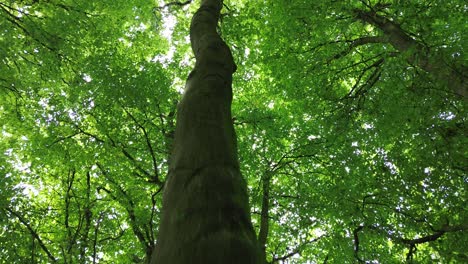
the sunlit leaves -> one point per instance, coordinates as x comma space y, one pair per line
351, 132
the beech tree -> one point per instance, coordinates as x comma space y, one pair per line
350, 119
206, 214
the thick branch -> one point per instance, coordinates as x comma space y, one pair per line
429, 238
433, 237
417, 53
411, 243
396, 35
360, 42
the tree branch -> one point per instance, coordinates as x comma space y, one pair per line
417, 53
356, 243
155, 177
297, 250
130, 208
175, 3
412, 243
33, 233
360, 42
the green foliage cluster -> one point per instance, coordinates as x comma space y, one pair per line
350, 117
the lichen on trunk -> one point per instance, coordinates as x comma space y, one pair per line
206, 215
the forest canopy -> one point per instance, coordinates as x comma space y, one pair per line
350, 120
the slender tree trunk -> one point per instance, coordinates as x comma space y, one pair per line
206, 215
264, 217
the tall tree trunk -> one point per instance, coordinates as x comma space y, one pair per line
206, 215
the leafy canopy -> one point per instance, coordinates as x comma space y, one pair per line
350, 117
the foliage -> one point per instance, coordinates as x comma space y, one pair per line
350, 117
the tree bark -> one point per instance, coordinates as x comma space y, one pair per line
205, 213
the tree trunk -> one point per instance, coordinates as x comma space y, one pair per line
205, 214
264, 217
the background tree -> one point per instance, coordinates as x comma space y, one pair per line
350, 118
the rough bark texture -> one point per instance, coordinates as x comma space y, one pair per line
206, 215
